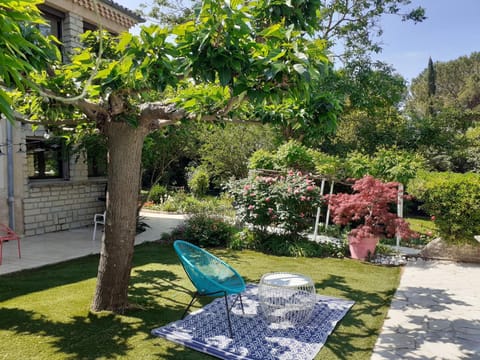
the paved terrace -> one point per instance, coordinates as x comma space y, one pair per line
60, 246
435, 314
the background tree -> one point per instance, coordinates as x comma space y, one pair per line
204, 69
455, 85
225, 150
356, 24
439, 123
163, 149
432, 86
372, 95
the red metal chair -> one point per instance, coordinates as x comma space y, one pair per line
7, 234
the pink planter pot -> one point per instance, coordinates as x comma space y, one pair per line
359, 249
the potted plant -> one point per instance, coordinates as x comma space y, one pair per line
368, 212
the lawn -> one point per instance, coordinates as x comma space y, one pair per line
44, 313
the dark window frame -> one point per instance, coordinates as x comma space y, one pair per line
56, 18
50, 159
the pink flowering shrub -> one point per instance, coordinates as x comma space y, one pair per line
285, 202
368, 210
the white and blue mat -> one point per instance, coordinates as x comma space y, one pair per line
206, 330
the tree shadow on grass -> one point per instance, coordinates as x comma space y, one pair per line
72, 271
158, 290
152, 288
100, 335
90, 337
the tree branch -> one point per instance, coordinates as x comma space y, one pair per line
25, 120
157, 115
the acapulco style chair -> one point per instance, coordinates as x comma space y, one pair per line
210, 276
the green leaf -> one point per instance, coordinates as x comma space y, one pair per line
5, 105
126, 64
125, 39
276, 30
225, 76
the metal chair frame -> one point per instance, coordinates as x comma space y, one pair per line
98, 219
222, 291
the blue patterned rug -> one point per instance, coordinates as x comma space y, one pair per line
206, 330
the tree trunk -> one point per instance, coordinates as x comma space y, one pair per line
124, 161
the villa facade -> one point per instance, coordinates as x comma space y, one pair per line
43, 186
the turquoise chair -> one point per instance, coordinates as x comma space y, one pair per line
210, 276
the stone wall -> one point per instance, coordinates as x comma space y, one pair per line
56, 206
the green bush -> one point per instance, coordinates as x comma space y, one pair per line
262, 159
244, 239
207, 231
175, 202
293, 155
199, 181
281, 245
180, 202
453, 201
158, 194
387, 164
328, 164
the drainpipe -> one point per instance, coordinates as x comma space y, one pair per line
11, 188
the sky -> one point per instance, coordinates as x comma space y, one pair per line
451, 30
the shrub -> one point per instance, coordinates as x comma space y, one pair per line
158, 194
175, 201
293, 155
453, 200
207, 231
199, 181
394, 164
244, 239
262, 159
328, 164
286, 203
181, 202
387, 164
281, 245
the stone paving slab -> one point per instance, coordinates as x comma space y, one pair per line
435, 313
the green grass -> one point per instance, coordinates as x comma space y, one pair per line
44, 313
422, 225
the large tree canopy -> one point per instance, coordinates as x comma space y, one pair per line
230, 63
456, 86
351, 26
444, 112
23, 48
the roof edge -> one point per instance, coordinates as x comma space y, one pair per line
123, 9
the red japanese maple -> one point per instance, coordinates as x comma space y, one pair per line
368, 210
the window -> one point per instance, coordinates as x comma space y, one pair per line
87, 26
97, 164
53, 26
95, 147
54, 20
46, 159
